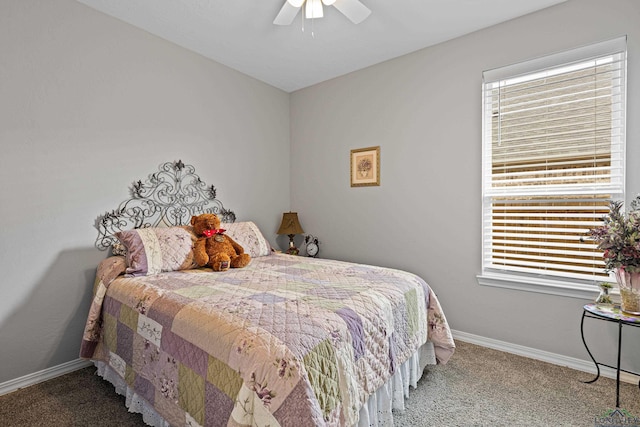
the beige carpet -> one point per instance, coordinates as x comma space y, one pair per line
479, 387
484, 387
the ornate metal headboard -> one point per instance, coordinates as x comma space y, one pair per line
169, 197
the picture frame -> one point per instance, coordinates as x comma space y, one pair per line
365, 167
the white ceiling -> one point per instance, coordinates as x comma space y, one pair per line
240, 33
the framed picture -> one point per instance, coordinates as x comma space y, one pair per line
365, 166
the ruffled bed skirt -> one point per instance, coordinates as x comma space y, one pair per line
377, 412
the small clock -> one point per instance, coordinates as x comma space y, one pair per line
311, 245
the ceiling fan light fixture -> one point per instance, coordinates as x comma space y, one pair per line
354, 10
314, 9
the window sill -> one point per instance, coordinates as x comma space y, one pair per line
565, 288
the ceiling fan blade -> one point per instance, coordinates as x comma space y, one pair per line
286, 15
353, 9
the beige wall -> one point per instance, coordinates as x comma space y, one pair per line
89, 104
424, 111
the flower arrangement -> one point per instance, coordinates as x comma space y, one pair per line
364, 166
619, 237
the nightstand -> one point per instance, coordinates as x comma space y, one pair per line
609, 313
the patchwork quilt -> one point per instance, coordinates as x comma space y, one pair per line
285, 341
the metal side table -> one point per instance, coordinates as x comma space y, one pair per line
609, 313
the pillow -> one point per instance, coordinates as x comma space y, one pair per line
248, 235
154, 250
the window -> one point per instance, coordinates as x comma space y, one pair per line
553, 156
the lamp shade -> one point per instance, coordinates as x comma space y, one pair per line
290, 224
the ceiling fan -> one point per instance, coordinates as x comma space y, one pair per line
352, 9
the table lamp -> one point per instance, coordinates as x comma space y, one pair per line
290, 226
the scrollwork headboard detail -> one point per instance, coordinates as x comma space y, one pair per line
169, 197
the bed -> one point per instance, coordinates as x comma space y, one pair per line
286, 340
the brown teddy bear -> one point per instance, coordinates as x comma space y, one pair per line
213, 247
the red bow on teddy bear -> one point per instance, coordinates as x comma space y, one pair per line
209, 233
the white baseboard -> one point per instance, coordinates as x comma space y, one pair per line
44, 375
545, 356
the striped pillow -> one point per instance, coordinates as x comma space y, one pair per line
155, 250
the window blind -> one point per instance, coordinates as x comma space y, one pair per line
553, 156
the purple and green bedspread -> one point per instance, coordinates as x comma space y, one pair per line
287, 340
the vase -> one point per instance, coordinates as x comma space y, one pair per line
604, 297
629, 284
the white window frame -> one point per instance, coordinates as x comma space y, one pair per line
570, 287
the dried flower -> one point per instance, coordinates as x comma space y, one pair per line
619, 237
364, 165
